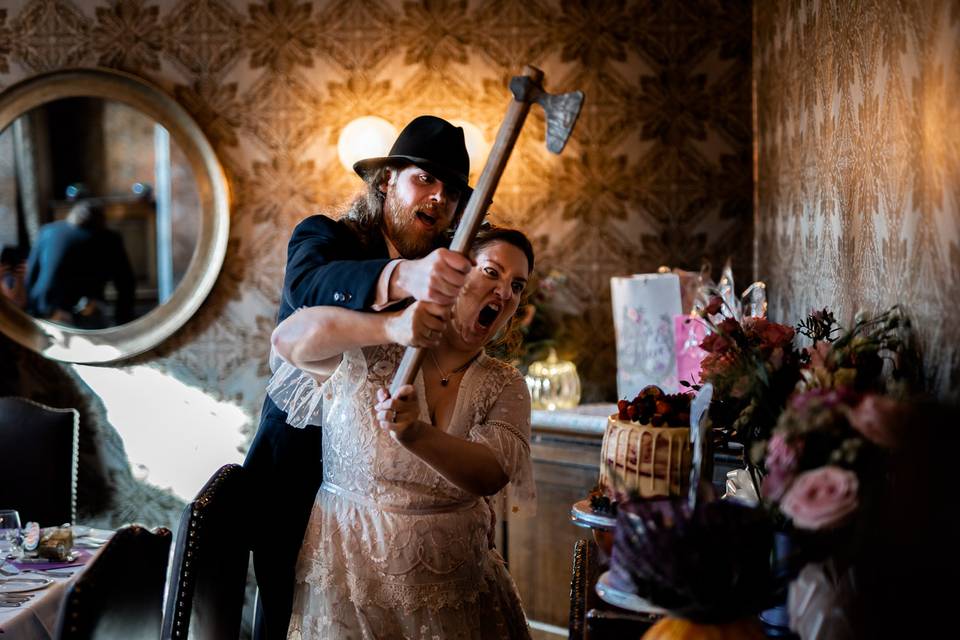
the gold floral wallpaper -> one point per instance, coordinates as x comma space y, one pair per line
658, 171
858, 111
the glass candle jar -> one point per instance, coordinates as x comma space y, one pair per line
553, 383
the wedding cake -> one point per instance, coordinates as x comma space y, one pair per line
646, 447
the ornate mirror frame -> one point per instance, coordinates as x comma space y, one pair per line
69, 344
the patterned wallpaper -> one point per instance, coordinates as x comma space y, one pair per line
859, 164
658, 171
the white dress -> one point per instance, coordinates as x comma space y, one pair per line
393, 550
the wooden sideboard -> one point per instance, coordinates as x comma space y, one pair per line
566, 458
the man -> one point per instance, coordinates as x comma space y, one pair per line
69, 267
382, 251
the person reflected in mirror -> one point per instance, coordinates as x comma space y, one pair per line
385, 250
398, 540
13, 271
69, 266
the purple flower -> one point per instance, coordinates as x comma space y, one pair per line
822, 498
781, 464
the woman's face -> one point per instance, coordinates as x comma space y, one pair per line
490, 296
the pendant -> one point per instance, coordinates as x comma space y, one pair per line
444, 381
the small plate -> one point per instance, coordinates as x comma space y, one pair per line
71, 557
583, 516
622, 599
23, 585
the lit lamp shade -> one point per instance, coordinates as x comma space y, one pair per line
477, 147
366, 137
553, 383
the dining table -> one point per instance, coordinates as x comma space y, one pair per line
32, 591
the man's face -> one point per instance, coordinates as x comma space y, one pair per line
418, 208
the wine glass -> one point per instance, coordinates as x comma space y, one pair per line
11, 539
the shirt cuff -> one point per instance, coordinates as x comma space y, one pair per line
382, 300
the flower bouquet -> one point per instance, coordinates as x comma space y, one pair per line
835, 431
753, 367
826, 462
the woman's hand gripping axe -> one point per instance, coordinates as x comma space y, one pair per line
561, 111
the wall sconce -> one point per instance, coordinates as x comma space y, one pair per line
477, 147
372, 137
366, 137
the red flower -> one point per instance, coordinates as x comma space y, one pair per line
770, 334
716, 343
730, 327
714, 306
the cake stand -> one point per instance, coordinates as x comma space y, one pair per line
601, 524
624, 600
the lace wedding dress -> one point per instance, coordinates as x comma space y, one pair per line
393, 550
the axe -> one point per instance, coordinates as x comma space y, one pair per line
561, 111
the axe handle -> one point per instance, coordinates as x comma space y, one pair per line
477, 206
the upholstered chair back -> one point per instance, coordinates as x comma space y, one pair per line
208, 576
119, 596
39, 446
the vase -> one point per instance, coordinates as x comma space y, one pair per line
776, 619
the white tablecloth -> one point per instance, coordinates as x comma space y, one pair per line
37, 618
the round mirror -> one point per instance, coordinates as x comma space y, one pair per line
114, 214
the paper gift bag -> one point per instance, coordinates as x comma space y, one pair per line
689, 331
644, 306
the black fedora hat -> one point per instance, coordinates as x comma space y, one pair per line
431, 143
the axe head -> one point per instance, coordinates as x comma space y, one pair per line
561, 111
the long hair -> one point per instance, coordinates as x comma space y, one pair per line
506, 345
364, 216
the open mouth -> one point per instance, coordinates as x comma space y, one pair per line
488, 315
426, 218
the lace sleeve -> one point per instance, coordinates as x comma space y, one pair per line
306, 400
506, 431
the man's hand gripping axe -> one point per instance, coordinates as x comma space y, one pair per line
561, 111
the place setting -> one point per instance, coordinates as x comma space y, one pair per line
32, 559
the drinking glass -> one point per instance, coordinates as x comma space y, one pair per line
11, 538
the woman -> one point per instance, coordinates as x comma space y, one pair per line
397, 545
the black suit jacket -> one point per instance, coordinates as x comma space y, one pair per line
68, 262
326, 265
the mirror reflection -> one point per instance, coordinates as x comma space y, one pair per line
99, 213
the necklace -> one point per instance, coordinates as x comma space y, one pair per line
445, 377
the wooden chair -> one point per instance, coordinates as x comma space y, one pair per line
120, 595
583, 578
40, 446
209, 572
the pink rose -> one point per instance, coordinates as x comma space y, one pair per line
781, 464
875, 418
822, 498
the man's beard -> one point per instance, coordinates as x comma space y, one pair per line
404, 232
